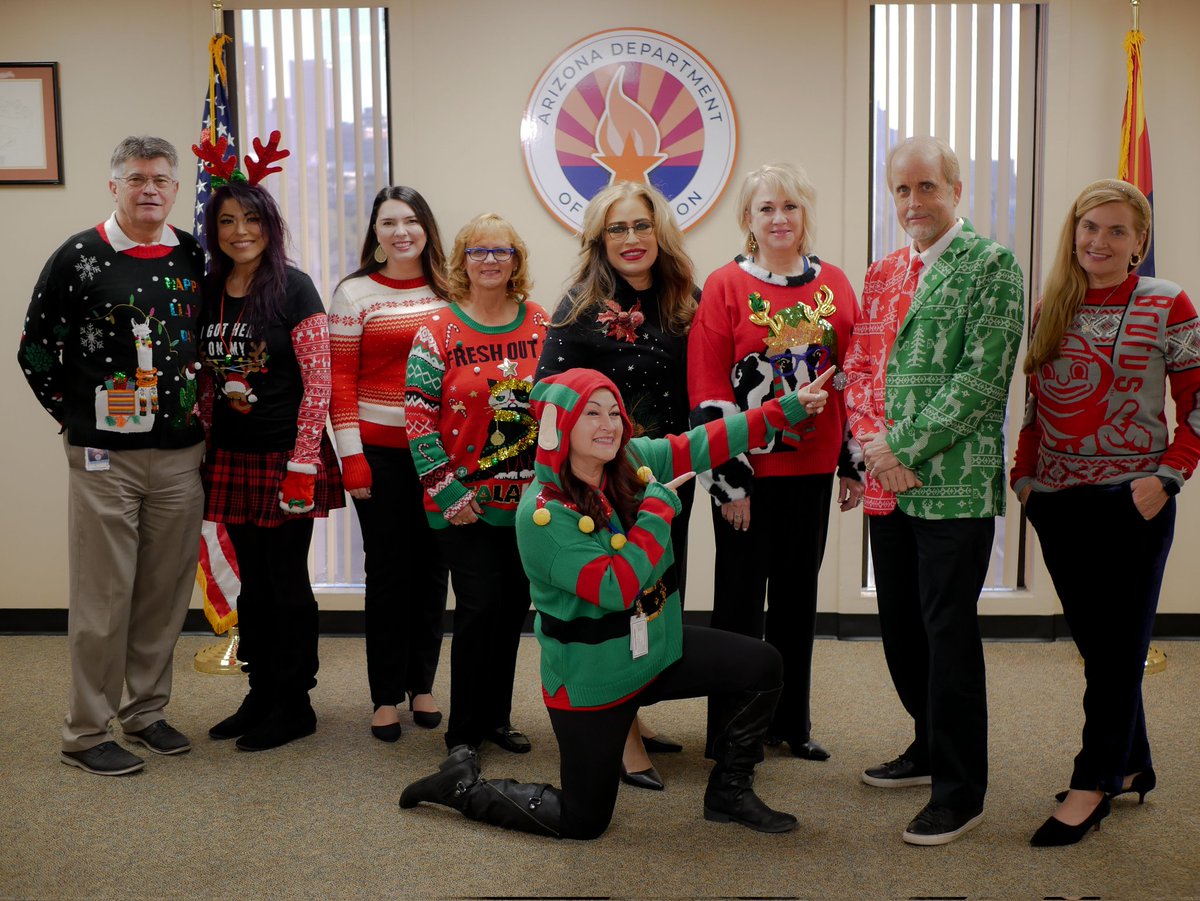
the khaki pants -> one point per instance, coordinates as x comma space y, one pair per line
133, 539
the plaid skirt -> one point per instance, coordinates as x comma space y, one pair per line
243, 488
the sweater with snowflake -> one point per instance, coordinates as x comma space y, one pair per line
466, 408
372, 322
109, 345
625, 339
1096, 414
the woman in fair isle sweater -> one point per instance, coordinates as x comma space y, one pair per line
375, 313
594, 531
1097, 470
467, 413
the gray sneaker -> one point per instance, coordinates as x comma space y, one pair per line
105, 759
161, 738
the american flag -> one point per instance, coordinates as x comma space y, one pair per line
216, 122
217, 571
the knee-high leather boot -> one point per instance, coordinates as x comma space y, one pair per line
737, 747
502, 802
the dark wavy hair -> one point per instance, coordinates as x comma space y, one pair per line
268, 285
433, 258
622, 487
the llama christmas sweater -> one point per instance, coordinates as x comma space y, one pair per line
109, 344
588, 579
1096, 413
466, 408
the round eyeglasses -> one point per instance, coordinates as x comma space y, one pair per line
499, 254
137, 181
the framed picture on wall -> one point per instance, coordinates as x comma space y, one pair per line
30, 128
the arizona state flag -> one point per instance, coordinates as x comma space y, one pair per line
1134, 165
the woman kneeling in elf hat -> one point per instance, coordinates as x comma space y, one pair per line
594, 532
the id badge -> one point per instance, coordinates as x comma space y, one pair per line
639, 636
95, 459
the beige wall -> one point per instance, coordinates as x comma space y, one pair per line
460, 73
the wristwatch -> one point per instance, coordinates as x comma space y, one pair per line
1170, 486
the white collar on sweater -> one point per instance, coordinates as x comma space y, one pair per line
930, 254
121, 241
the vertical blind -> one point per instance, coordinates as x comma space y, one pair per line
319, 77
968, 73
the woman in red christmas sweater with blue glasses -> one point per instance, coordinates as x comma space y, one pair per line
594, 532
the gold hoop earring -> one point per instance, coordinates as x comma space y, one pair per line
751, 243
380, 254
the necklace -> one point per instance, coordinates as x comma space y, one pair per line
226, 335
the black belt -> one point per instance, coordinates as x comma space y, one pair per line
585, 630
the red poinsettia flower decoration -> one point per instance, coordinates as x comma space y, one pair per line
622, 324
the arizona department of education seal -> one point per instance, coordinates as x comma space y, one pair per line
629, 104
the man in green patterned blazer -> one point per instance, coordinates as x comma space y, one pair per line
929, 367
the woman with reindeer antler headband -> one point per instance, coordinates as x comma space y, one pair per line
771, 320
271, 468
594, 529
375, 313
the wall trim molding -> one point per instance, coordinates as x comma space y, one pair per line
842, 626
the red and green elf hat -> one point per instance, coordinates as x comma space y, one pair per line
557, 402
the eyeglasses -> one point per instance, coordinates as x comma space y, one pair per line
620, 229
137, 181
499, 254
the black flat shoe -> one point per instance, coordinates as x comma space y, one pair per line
1141, 784
1054, 833
509, 739
426, 719
280, 728
809, 750
659, 744
388, 733
643, 779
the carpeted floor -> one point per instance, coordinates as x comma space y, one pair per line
318, 819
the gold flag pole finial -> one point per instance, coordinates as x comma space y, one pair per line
218, 25
1134, 3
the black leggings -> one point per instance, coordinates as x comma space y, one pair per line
590, 742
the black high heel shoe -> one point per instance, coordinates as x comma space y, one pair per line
1143, 783
426, 719
1054, 833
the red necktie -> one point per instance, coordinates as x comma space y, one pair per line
908, 290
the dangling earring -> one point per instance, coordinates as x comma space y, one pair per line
1134, 260
380, 254
751, 243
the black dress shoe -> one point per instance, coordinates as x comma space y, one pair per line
509, 739
252, 711
808, 750
648, 778
1054, 833
660, 744
388, 733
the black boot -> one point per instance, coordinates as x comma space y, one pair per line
730, 796
501, 802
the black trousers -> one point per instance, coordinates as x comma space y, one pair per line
590, 742
491, 598
277, 613
405, 598
679, 535
928, 576
776, 561
1107, 565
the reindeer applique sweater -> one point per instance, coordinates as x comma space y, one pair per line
466, 409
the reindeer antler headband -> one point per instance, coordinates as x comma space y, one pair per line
223, 170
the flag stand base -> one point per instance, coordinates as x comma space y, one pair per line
1156, 661
220, 659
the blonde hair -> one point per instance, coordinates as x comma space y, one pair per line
594, 280
458, 286
927, 146
1067, 283
792, 181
